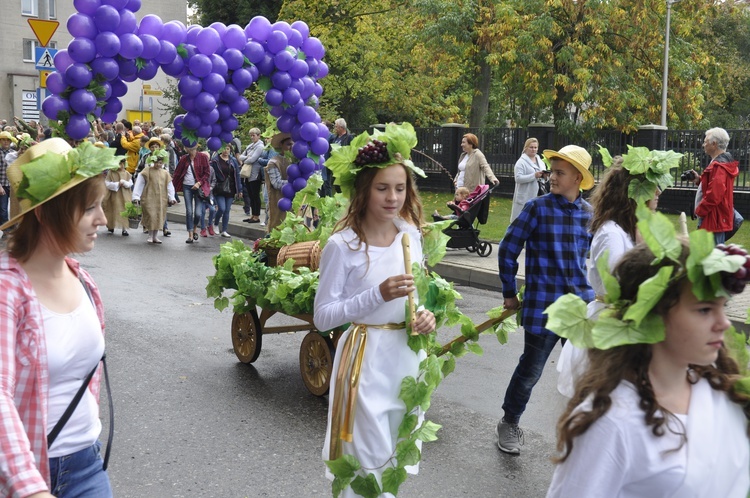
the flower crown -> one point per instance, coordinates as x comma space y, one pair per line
157, 155
714, 271
379, 150
655, 165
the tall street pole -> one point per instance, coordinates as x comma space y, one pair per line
666, 66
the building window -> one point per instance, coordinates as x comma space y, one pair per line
29, 49
52, 9
28, 8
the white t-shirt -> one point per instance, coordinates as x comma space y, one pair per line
75, 345
461, 171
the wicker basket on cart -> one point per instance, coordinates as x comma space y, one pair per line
303, 253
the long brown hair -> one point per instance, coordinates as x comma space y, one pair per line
610, 201
57, 220
607, 368
411, 212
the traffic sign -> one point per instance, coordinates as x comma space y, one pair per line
43, 78
157, 93
146, 87
43, 29
45, 58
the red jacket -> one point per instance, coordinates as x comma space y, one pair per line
717, 184
202, 172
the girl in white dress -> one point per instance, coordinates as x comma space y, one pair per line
656, 412
363, 283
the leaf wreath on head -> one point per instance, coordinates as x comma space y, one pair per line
654, 165
624, 321
399, 140
157, 155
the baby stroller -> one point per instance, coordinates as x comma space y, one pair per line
463, 232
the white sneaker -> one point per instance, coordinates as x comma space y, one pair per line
226, 235
262, 224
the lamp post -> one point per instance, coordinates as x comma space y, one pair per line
666, 66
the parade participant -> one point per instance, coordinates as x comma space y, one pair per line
52, 327
363, 282
119, 184
276, 178
554, 229
192, 178
155, 191
658, 412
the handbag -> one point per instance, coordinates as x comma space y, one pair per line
199, 191
223, 187
246, 171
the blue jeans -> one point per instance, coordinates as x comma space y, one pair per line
207, 205
720, 237
4, 205
536, 350
80, 474
223, 205
192, 207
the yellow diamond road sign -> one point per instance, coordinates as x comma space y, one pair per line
43, 29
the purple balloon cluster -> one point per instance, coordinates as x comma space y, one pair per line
214, 66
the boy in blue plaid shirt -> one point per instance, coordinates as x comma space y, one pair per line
554, 229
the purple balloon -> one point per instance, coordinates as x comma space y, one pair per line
113, 105
78, 127
53, 104
211, 117
266, 66
187, 103
188, 142
283, 60
234, 58
230, 93
175, 68
258, 28
174, 32
308, 114
274, 97
295, 134
285, 123
178, 120
62, 60
134, 5
192, 33
148, 71
313, 48
204, 102
226, 136
281, 80
118, 88
312, 101
87, 6
287, 190
213, 83
253, 72
302, 28
254, 51
109, 117
276, 111
200, 65
118, 4
299, 184
318, 91
300, 148
190, 86
56, 83
107, 89
285, 204
230, 124
292, 110
239, 106
78, 75
308, 131
207, 41
242, 79
167, 52
309, 87
219, 65
204, 130
107, 44
291, 96
216, 129
131, 46
234, 37
213, 143
295, 38
191, 121
319, 146
322, 70
107, 18
151, 46
282, 26
128, 22
276, 42
224, 111
299, 69
312, 66
82, 50
219, 27
82, 101
151, 25
306, 165
81, 25
131, 77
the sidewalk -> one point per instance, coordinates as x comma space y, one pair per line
459, 265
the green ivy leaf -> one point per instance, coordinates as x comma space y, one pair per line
636, 161
427, 431
338, 485
475, 348
344, 466
392, 480
611, 285
449, 365
407, 426
610, 332
221, 303
649, 294
701, 245
659, 234
366, 486
434, 241
567, 317
719, 261
641, 191
264, 83
407, 453
44, 177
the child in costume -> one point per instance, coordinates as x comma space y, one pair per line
119, 184
155, 191
661, 409
363, 282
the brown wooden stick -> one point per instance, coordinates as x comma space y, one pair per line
407, 270
480, 328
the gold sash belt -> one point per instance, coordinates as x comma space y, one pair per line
347, 383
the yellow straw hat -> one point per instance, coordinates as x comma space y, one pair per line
47, 170
8, 135
579, 158
278, 139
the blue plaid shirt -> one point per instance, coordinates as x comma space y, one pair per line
557, 240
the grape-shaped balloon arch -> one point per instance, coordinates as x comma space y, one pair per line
214, 66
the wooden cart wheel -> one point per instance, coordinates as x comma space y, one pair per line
316, 363
247, 336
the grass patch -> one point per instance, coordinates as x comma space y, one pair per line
499, 217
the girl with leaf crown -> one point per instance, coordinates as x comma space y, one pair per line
662, 409
154, 189
627, 183
363, 283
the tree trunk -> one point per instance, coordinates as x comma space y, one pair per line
480, 100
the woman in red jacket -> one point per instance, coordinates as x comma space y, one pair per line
191, 177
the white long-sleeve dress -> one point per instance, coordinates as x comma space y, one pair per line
348, 292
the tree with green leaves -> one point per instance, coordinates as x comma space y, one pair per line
234, 11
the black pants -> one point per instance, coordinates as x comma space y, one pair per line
253, 188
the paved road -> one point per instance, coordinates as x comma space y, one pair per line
193, 422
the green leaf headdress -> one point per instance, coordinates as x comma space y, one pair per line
654, 165
713, 271
52, 167
345, 164
157, 155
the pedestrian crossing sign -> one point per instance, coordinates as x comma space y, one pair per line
45, 58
